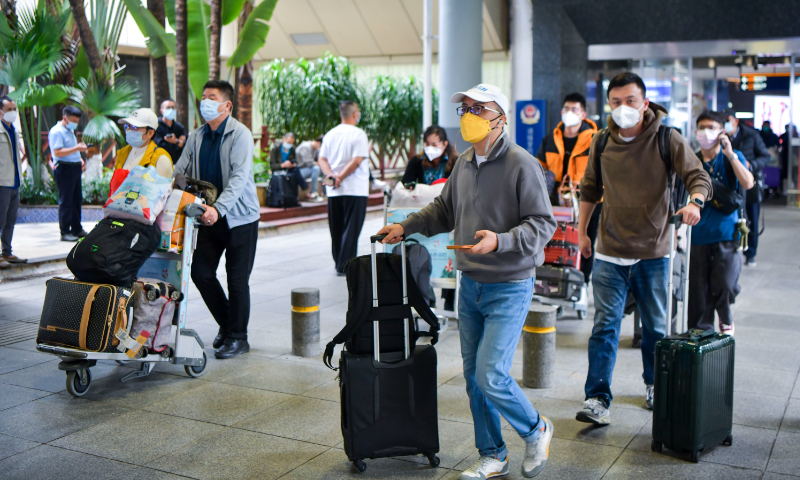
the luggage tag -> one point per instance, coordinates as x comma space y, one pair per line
131, 345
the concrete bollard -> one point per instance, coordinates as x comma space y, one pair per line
305, 322
539, 346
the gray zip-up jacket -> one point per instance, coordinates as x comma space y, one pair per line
507, 195
238, 200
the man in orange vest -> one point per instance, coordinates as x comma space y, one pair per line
565, 152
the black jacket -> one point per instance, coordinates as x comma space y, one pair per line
276, 158
749, 142
415, 170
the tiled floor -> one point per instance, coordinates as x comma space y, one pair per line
271, 415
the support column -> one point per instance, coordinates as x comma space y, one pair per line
460, 58
521, 55
427, 63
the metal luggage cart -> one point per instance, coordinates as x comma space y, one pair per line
581, 305
438, 279
186, 349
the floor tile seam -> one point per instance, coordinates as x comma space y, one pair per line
122, 461
242, 429
307, 461
27, 366
31, 388
29, 401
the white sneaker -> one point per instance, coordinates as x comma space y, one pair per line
485, 467
594, 411
536, 453
726, 329
378, 184
648, 397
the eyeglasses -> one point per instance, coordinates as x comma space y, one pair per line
576, 110
475, 110
128, 126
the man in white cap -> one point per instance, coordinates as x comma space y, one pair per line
140, 128
496, 193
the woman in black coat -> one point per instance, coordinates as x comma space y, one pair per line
435, 163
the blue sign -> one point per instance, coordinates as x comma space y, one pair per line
531, 124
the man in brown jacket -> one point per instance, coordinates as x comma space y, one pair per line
633, 246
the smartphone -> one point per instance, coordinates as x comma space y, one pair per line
459, 247
169, 135
328, 181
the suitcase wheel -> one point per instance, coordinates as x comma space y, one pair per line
696, 456
728, 441
360, 465
656, 446
78, 382
433, 459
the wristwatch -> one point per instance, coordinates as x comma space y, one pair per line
698, 202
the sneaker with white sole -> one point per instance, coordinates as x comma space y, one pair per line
536, 453
485, 467
648, 397
726, 329
594, 411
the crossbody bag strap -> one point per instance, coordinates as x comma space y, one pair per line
122, 320
87, 311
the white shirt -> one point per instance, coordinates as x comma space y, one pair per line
339, 146
163, 164
627, 139
479, 159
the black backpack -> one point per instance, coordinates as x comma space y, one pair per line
676, 186
113, 252
421, 267
282, 191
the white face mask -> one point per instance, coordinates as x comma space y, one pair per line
287, 146
10, 117
708, 138
570, 118
728, 127
626, 117
433, 152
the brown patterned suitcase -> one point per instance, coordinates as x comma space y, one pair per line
83, 315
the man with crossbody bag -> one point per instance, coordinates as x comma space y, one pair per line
715, 262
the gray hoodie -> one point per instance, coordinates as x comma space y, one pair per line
238, 201
505, 194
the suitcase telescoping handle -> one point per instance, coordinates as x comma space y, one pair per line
376, 345
674, 223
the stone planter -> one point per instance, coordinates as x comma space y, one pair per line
261, 190
49, 213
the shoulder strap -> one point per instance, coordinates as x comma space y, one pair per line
87, 311
664, 134
602, 141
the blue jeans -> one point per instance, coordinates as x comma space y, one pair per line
647, 282
490, 321
312, 172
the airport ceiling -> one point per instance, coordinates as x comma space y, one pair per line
365, 28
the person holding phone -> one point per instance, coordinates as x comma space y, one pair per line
67, 166
170, 134
496, 194
715, 263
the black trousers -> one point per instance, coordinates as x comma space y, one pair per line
587, 264
70, 196
239, 245
713, 283
346, 216
753, 211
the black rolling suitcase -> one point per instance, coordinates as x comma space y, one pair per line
693, 384
388, 396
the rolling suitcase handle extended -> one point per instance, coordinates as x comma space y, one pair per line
674, 221
376, 346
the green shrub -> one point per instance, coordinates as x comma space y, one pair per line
95, 191
46, 195
261, 169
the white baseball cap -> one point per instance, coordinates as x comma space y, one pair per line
483, 93
142, 117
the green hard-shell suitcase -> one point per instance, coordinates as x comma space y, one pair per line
693, 398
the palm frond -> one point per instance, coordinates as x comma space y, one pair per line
104, 104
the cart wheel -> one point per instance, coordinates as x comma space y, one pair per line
360, 465
74, 385
433, 460
195, 372
122, 362
696, 456
728, 440
166, 353
582, 314
656, 446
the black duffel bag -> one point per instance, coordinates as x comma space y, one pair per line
282, 191
113, 252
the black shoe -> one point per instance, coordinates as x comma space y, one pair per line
82, 233
233, 347
340, 274
68, 237
219, 340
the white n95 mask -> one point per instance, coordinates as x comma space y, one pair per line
625, 116
570, 118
